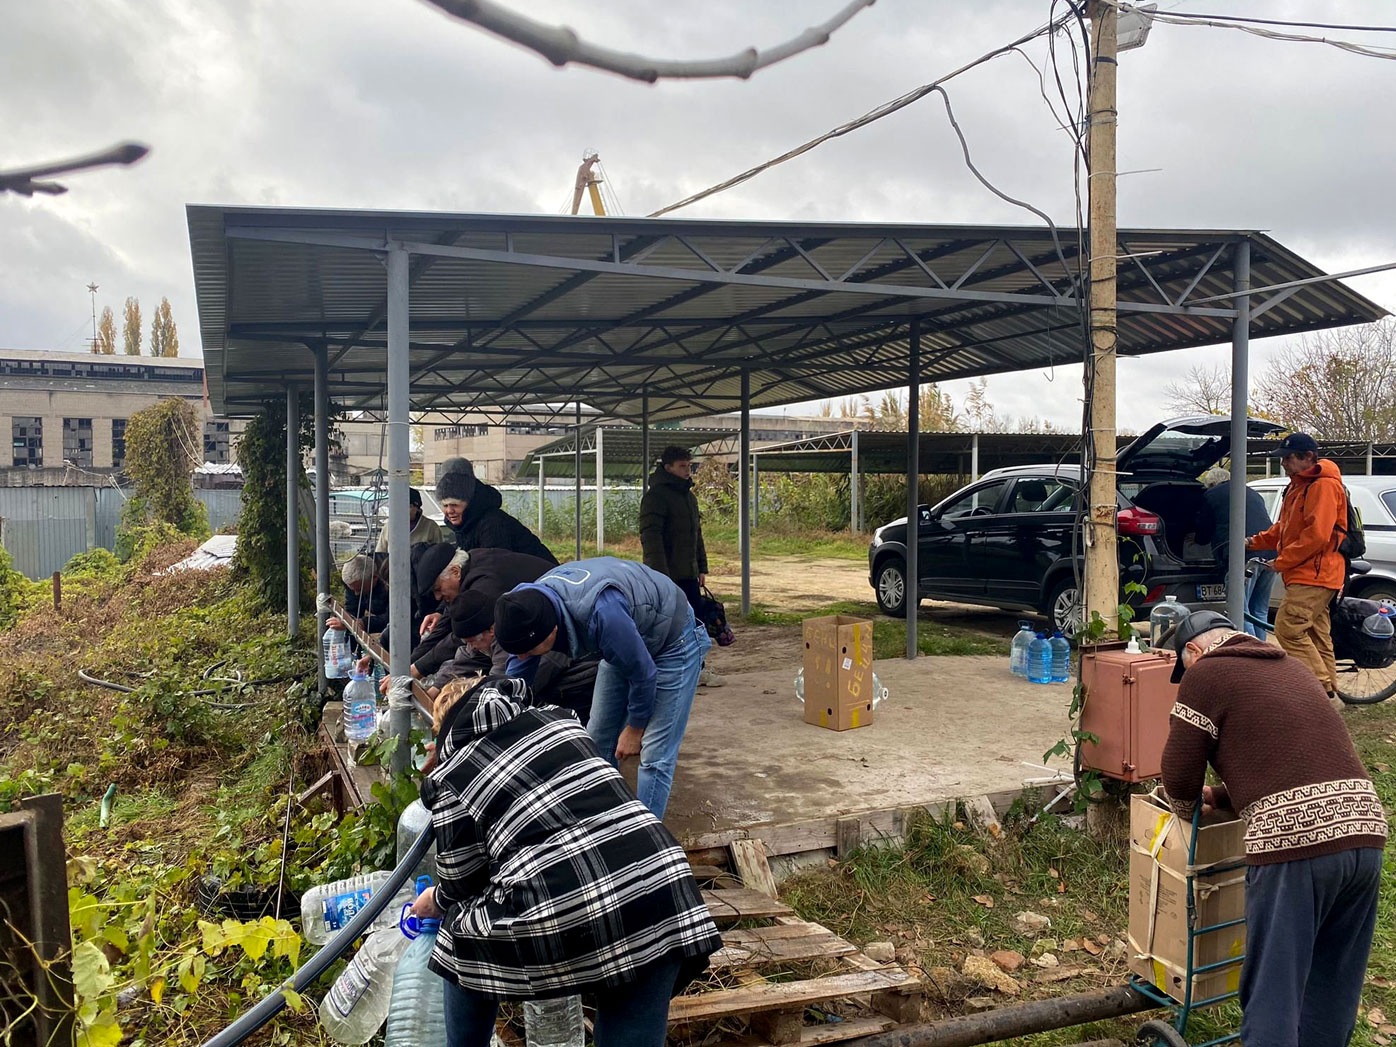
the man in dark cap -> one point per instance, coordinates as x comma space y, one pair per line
1314, 827
425, 531
473, 512
1313, 515
558, 681
639, 623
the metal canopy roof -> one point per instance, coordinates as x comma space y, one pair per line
881, 451
516, 311
622, 449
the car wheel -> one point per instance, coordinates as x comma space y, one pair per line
1378, 589
890, 586
1063, 607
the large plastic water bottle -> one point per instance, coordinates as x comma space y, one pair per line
1018, 653
1164, 617
1061, 657
409, 826
357, 1004
554, 1023
329, 907
417, 1016
360, 708
339, 659
1040, 660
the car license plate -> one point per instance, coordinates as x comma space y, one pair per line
1215, 593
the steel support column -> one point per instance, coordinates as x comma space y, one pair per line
324, 562
600, 491
913, 483
744, 492
399, 465
1240, 388
1369, 458
755, 491
542, 492
645, 463
577, 483
974, 457
293, 524
855, 503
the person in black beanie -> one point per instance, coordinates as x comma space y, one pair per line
473, 510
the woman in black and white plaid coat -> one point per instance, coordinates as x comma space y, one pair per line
554, 879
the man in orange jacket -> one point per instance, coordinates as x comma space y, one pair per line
1306, 537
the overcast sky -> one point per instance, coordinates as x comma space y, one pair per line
390, 104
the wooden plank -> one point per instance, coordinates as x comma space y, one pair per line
732, 904
749, 860
848, 837
778, 945
779, 1027
981, 815
776, 996
707, 872
827, 1032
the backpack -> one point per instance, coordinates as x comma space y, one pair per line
1353, 545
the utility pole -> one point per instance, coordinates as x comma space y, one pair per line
92, 290
1102, 574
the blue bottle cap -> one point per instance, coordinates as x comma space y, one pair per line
423, 882
430, 926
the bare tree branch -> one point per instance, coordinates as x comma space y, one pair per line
561, 45
1335, 385
1203, 390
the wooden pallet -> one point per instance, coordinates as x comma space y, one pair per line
771, 936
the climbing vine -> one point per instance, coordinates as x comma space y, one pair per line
162, 450
261, 550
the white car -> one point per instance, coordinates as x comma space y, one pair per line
1375, 500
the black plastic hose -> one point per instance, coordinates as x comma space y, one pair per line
272, 1005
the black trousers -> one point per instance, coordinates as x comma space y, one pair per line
690, 589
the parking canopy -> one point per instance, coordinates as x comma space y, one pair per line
514, 310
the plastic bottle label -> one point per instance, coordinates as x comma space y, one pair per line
347, 988
342, 908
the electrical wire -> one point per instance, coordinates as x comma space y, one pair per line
1240, 24
871, 116
1207, 16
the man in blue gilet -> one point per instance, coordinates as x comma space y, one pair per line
641, 625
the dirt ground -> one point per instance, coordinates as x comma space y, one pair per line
951, 727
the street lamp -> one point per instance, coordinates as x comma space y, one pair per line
23, 180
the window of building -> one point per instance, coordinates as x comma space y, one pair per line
459, 432
77, 441
28, 439
520, 429
218, 443
118, 442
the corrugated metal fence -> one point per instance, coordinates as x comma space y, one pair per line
45, 527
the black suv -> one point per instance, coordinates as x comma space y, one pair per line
1006, 539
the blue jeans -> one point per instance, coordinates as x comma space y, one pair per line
1258, 587
633, 1015
676, 682
1309, 929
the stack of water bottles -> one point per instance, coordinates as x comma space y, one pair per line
1038, 657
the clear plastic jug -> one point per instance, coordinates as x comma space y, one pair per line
1165, 615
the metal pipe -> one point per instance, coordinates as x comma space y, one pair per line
1019, 1019
755, 490
1369, 458
1240, 387
541, 493
336, 947
854, 501
293, 523
399, 466
577, 482
324, 562
600, 492
744, 492
974, 456
645, 463
912, 589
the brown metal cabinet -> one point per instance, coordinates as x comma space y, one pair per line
1128, 701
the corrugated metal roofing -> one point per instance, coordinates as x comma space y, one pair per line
881, 451
514, 311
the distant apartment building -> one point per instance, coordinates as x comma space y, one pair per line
65, 414
497, 448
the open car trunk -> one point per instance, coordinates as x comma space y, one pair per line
1176, 503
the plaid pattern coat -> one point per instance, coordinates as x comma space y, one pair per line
554, 879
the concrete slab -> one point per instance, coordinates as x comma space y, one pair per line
950, 727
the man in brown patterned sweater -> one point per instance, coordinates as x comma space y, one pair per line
1314, 826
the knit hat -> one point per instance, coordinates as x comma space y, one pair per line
457, 481
522, 619
472, 612
428, 561
1189, 629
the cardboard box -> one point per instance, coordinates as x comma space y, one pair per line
1158, 898
838, 672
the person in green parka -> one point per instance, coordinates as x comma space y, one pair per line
671, 532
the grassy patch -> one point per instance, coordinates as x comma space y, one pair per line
722, 545
889, 634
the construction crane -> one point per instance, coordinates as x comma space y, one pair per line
588, 182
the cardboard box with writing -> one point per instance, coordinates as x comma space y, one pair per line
1158, 898
838, 672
